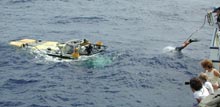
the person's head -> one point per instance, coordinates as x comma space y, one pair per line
76, 50
203, 77
85, 41
195, 84
216, 10
207, 64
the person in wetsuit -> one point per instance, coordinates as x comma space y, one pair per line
185, 44
89, 49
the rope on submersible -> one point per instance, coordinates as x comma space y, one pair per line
206, 16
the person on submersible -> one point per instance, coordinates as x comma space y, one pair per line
76, 54
185, 44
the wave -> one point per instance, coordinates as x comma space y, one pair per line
15, 83
19, 1
10, 103
20, 81
82, 19
27, 1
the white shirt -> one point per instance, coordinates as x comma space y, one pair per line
208, 86
201, 94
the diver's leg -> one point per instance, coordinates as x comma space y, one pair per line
179, 48
193, 40
185, 44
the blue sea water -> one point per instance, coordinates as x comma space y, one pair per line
135, 71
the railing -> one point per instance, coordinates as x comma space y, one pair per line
214, 49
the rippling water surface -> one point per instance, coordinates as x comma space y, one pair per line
137, 70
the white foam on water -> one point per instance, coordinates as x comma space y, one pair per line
169, 49
41, 56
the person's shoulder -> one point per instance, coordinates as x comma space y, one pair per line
208, 84
216, 72
215, 69
206, 92
196, 94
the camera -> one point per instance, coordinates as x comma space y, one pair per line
187, 83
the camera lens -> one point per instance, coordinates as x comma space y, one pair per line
186, 83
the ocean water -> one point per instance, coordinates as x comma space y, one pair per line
138, 69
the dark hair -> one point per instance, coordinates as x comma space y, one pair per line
195, 83
216, 9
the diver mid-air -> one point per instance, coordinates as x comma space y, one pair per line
185, 44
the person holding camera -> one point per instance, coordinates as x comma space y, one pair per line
199, 91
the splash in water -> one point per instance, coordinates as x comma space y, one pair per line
172, 52
169, 49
